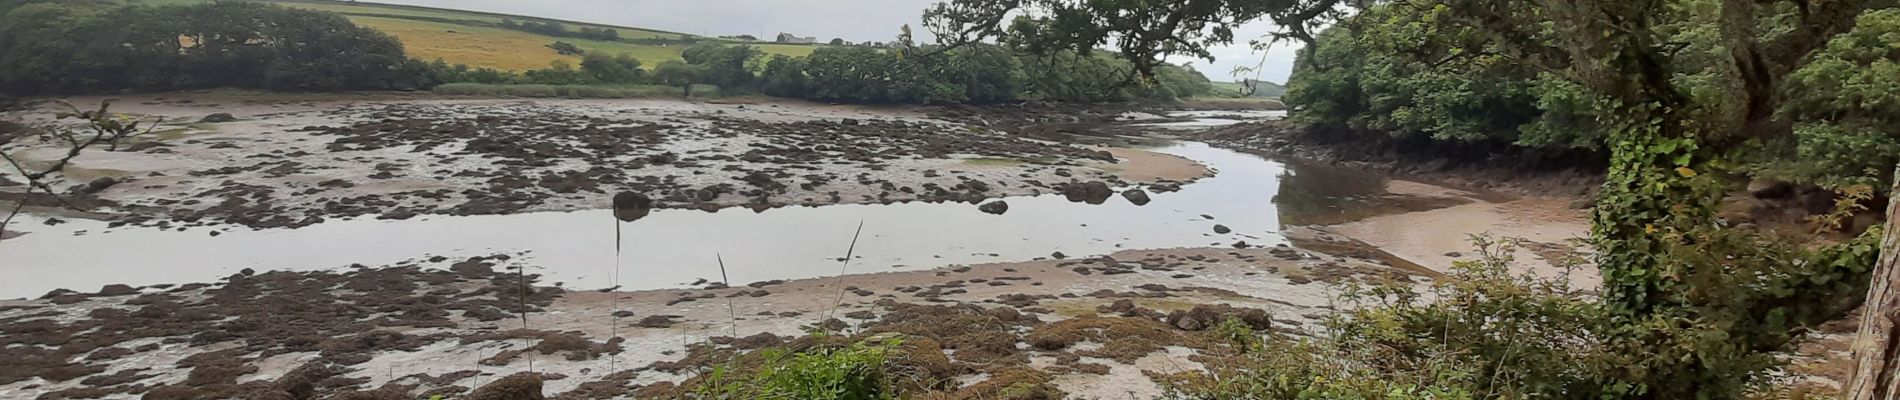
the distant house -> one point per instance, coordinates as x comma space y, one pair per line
790, 38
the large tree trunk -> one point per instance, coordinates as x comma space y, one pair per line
1877, 350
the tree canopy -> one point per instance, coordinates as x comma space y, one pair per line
1676, 90
48, 46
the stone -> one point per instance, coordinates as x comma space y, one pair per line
101, 184
1222, 229
217, 118
995, 207
117, 290
632, 206
1136, 196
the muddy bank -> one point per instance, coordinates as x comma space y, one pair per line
449, 326
1490, 173
294, 162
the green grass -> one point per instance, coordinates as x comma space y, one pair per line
466, 41
1262, 103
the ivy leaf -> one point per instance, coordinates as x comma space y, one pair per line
1686, 172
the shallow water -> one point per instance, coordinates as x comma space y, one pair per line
671, 248
1212, 119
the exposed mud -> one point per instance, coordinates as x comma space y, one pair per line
443, 326
1082, 326
291, 163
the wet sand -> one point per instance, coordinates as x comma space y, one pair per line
1551, 232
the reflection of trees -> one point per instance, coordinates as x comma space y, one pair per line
1312, 194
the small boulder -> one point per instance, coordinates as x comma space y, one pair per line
632, 206
101, 184
1136, 196
117, 290
217, 118
1222, 229
995, 207
1096, 192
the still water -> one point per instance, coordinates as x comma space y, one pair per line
675, 247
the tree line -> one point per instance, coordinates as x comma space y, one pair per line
557, 29
96, 46
99, 47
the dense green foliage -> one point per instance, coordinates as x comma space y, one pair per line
967, 74
1411, 70
1680, 92
49, 46
851, 372
557, 29
1400, 71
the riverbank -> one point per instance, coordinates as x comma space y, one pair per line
1159, 274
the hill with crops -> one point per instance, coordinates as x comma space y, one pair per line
508, 42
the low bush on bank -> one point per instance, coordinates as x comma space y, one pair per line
857, 370
1484, 332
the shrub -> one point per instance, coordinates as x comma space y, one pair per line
855, 371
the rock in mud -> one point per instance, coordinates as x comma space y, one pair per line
217, 118
995, 207
101, 184
1096, 192
1136, 196
1222, 229
1204, 317
117, 290
1058, 255
631, 206
520, 386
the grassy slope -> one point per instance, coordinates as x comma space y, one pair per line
482, 46
1235, 88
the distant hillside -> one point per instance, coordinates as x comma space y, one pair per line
1261, 88
482, 39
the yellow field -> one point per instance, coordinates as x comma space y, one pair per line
497, 48
630, 33
516, 50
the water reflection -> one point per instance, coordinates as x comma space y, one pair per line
671, 247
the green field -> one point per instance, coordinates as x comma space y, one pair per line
469, 37
1269, 90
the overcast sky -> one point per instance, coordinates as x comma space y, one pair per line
853, 20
